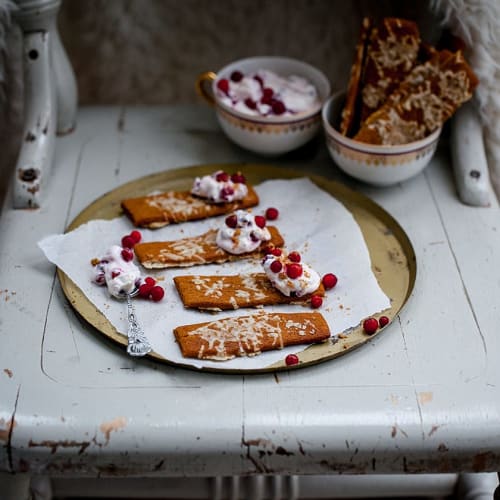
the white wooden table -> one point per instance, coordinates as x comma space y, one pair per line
423, 397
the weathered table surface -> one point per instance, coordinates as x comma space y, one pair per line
421, 397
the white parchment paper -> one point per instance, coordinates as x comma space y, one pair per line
311, 222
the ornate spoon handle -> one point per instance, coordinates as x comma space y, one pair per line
138, 344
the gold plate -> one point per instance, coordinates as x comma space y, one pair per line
392, 256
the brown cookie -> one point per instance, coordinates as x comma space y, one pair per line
179, 206
218, 293
228, 338
195, 250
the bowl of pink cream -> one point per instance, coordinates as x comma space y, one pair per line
268, 105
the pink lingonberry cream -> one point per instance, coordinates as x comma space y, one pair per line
289, 275
220, 187
242, 232
117, 272
264, 93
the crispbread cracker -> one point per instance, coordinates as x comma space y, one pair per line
227, 338
427, 97
218, 293
195, 250
350, 114
171, 207
391, 54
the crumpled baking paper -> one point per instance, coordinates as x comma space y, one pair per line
311, 222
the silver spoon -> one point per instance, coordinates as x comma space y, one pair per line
138, 343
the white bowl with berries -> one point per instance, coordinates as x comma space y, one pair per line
268, 105
379, 165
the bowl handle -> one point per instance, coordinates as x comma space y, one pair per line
204, 88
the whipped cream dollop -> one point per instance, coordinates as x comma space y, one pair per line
290, 276
220, 187
242, 232
265, 93
119, 275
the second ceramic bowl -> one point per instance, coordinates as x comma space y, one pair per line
374, 164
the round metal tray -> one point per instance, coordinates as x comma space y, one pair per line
392, 256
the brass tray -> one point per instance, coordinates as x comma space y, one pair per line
392, 255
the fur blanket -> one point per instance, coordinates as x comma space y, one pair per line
477, 23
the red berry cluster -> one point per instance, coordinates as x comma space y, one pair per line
260, 220
227, 189
329, 281
232, 221
269, 98
236, 178
289, 264
130, 240
371, 325
268, 95
150, 290
291, 267
128, 243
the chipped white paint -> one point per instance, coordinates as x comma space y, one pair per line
112, 426
339, 416
469, 158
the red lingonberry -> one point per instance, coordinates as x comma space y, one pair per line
226, 192
127, 254
100, 279
259, 79
236, 76
268, 249
292, 359
223, 85
157, 293
316, 301
145, 290
294, 256
260, 221
329, 281
231, 221
294, 271
267, 92
250, 103
238, 178
115, 273
276, 266
150, 281
383, 321
222, 176
272, 213
136, 236
278, 107
370, 325
128, 242
276, 251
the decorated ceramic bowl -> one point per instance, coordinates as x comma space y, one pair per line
374, 164
266, 124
